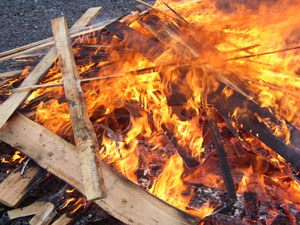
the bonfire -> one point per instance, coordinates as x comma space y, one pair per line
195, 102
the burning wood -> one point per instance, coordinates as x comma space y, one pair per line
175, 104
85, 137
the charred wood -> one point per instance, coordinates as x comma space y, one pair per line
222, 219
280, 220
203, 194
246, 118
185, 154
221, 154
251, 205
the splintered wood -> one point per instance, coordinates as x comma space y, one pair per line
85, 136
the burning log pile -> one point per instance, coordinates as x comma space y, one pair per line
194, 102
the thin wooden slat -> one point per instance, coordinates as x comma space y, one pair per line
125, 200
84, 20
25, 211
44, 216
84, 134
15, 100
36, 46
10, 73
214, 130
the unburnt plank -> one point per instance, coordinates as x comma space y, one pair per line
25, 211
125, 200
85, 137
15, 100
15, 187
45, 215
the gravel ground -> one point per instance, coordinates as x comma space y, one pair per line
26, 21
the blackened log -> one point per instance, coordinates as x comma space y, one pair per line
221, 219
246, 115
149, 48
251, 205
221, 154
185, 154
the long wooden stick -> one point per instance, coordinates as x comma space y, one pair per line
84, 134
38, 86
217, 138
50, 42
14, 101
125, 200
144, 3
87, 17
10, 73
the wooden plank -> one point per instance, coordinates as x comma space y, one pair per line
62, 220
14, 188
15, 100
45, 215
125, 200
215, 132
84, 134
25, 211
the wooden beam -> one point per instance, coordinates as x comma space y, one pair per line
25, 211
215, 132
14, 188
15, 100
125, 200
84, 134
45, 215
